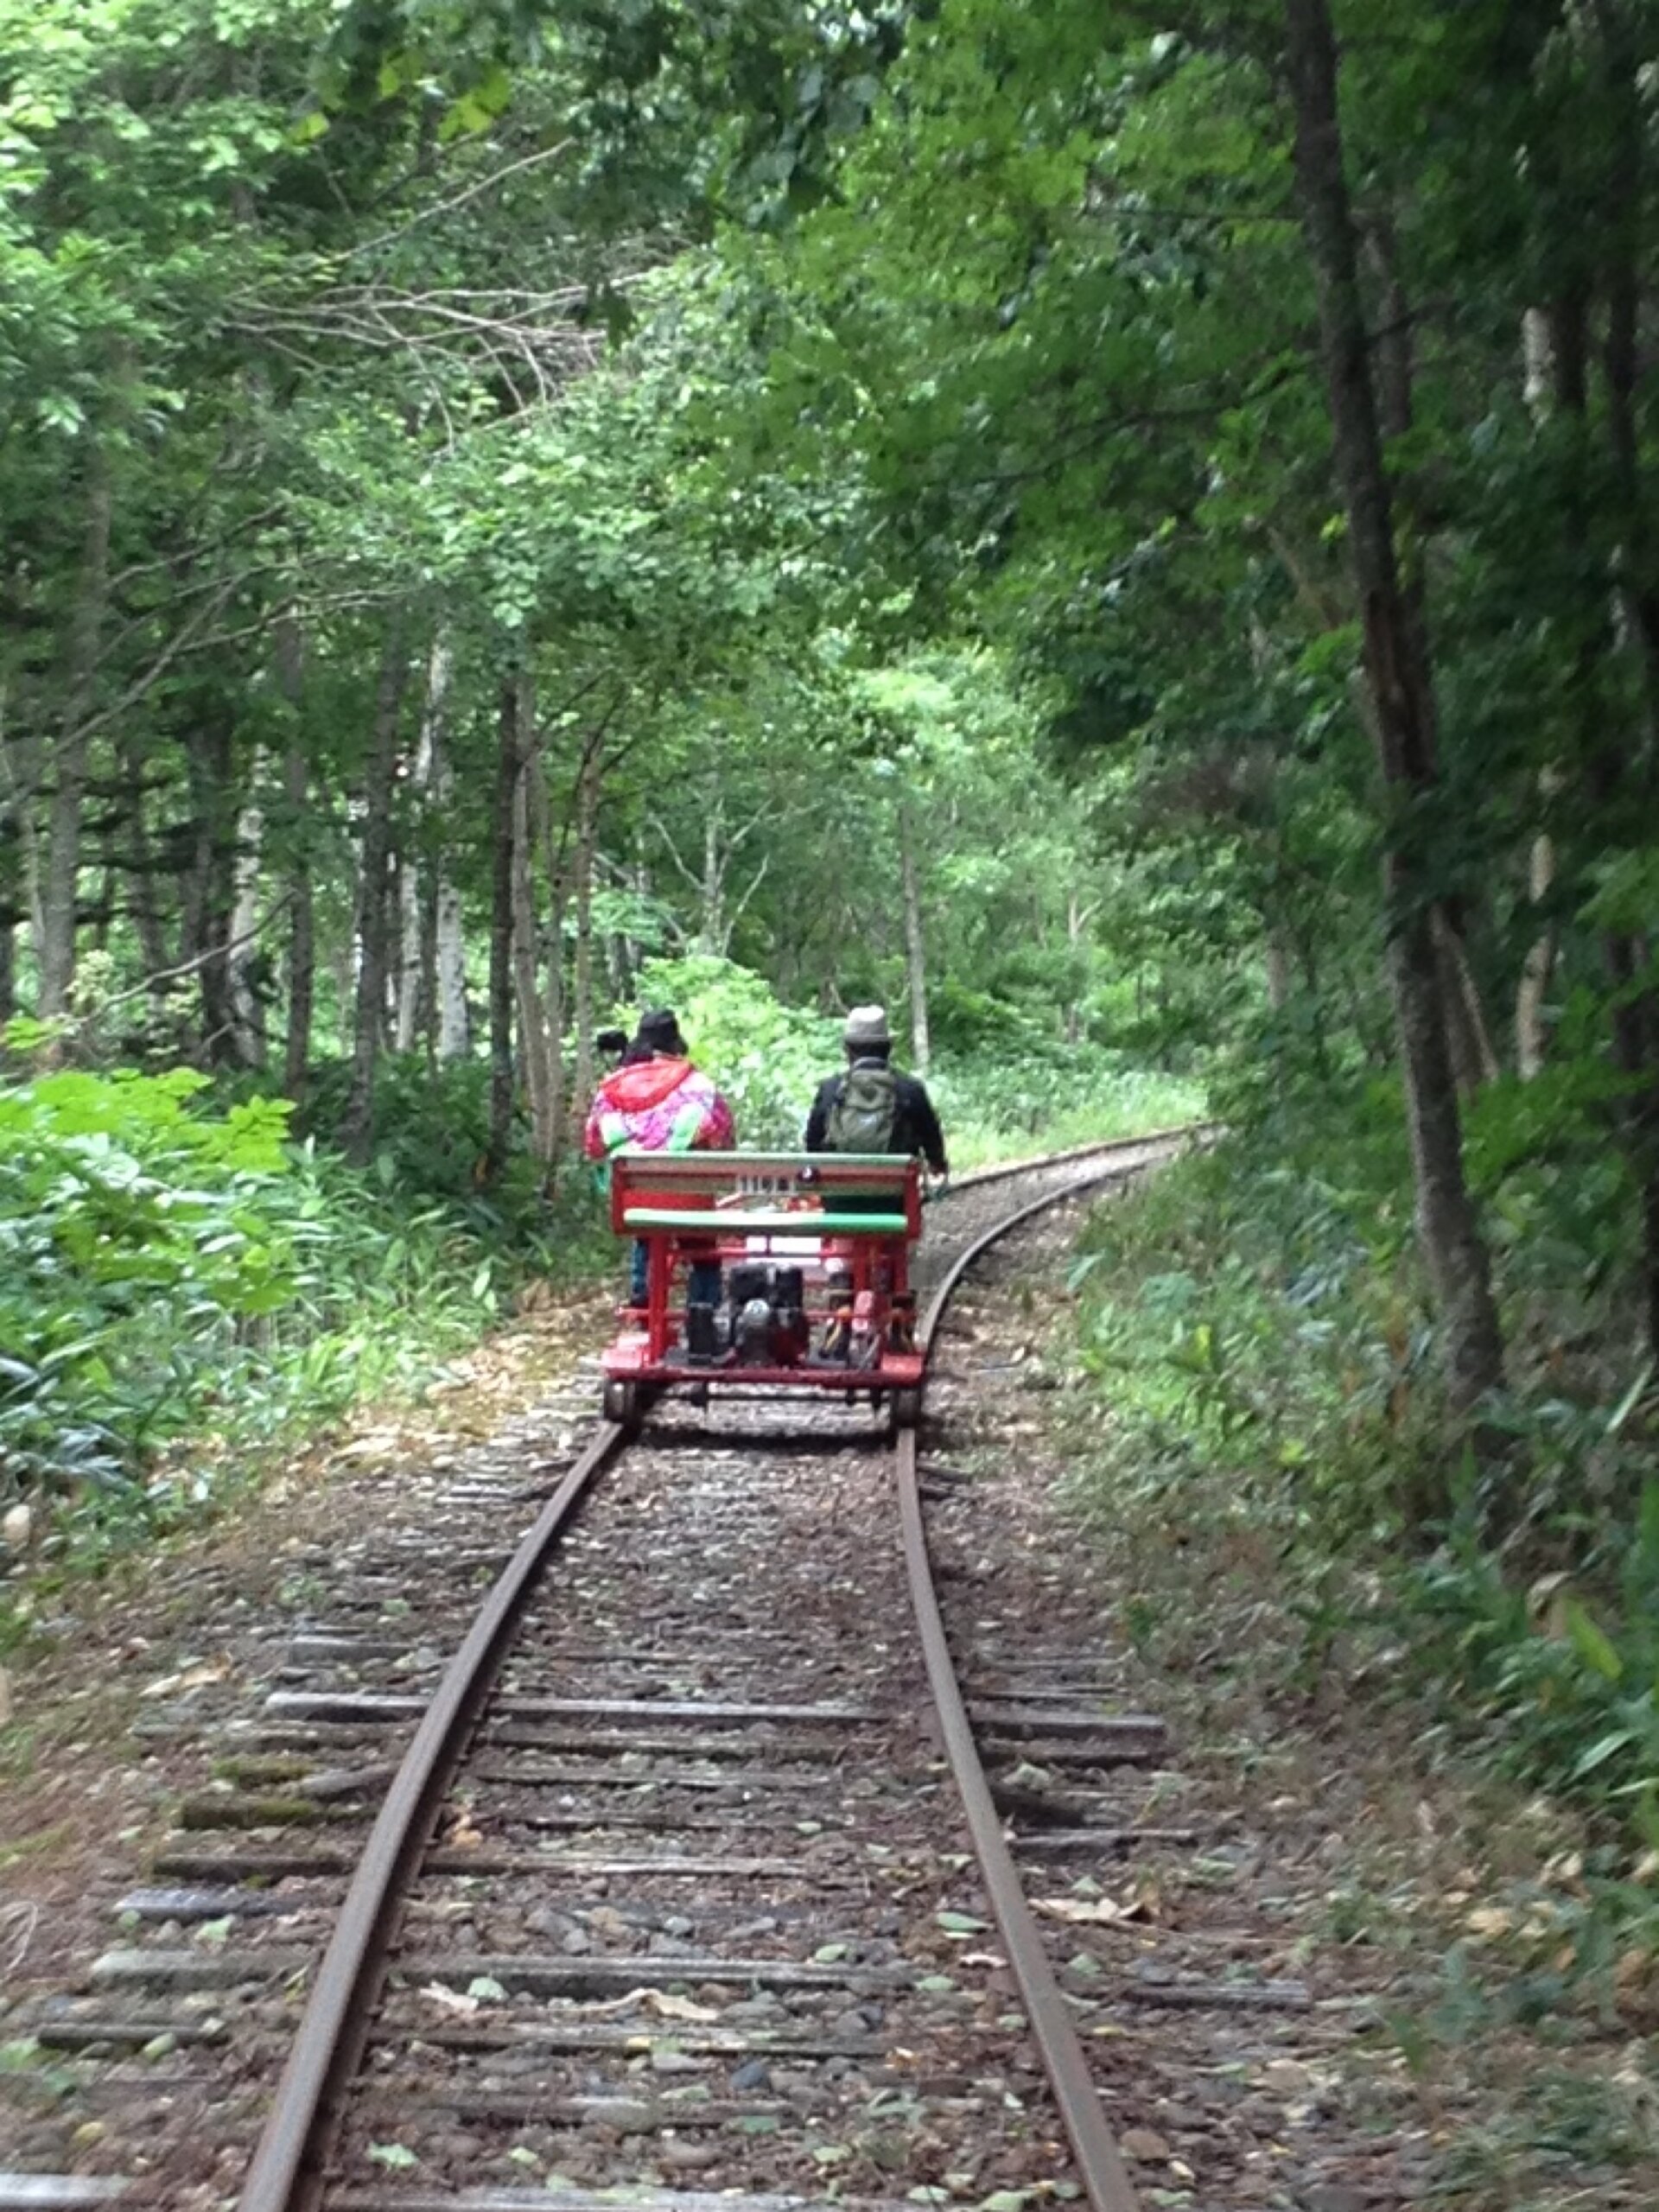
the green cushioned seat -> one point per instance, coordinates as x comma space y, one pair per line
729, 1223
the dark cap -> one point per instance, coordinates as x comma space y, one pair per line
660, 1029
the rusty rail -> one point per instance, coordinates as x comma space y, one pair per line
1100, 2165
286, 2170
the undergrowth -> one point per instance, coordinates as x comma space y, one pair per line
1258, 1332
1258, 1439
182, 1286
1018, 1091
190, 1279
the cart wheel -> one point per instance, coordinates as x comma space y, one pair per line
623, 1403
904, 1408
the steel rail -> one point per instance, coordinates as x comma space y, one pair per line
286, 2173
1191, 1132
1105, 2178
286, 2170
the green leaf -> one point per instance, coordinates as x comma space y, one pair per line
1604, 1748
1591, 1644
960, 1923
395, 2155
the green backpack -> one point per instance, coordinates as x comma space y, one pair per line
865, 1111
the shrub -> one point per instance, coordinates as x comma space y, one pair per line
767, 1057
169, 1271
1263, 1356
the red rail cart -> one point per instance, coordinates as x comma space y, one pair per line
813, 1258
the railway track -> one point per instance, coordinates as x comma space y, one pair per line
685, 1876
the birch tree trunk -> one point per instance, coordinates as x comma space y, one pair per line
56, 951
411, 954
507, 769
553, 855
246, 1010
1537, 968
1538, 372
1399, 682
454, 1027
455, 1023
429, 786
532, 1027
357, 1122
289, 646
587, 789
1077, 920
142, 907
205, 934
915, 941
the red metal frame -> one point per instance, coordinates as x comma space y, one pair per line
765, 1206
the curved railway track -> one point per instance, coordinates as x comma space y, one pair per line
290, 2171
666, 1880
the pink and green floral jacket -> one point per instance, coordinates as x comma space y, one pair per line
664, 1105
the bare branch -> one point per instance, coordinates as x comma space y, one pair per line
157, 669
461, 199
203, 959
738, 911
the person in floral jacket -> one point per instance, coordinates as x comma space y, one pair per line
657, 1099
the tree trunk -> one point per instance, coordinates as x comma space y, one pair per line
56, 953
915, 941
506, 787
713, 931
210, 891
247, 1012
8, 970
553, 853
1531, 1031
21, 759
532, 1027
1399, 683
302, 936
142, 907
587, 789
455, 1026
1627, 777
1473, 1060
1076, 919
302, 925
357, 1122
430, 792
1468, 1040
1540, 369
411, 955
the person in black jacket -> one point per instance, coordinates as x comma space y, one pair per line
872, 1106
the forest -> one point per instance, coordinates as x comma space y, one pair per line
1128, 534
